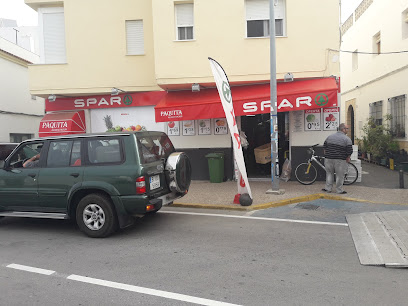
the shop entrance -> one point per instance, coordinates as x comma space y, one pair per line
257, 130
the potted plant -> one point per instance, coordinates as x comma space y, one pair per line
362, 146
379, 140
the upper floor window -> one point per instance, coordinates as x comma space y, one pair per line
397, 111
134, 37
376, 112
185, 21
52, 35
257, 17
377, 43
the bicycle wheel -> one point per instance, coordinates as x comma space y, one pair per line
306, 173
351, 175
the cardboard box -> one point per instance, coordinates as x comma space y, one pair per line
263, 154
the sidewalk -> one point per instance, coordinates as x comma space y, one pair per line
203, 194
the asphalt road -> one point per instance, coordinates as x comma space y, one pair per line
197, 258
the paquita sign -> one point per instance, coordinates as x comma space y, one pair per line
63, 123
54, 125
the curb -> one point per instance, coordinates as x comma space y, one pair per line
300, 199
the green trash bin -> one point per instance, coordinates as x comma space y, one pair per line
216, 167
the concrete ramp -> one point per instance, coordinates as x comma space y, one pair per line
381, 238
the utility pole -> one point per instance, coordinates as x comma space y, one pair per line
274, 112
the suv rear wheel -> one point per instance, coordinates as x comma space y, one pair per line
96, 216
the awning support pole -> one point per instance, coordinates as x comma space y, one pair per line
274, 112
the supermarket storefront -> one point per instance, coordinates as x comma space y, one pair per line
196, 123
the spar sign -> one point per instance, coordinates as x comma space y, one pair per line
224, 91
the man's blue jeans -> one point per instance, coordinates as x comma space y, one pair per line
339, 167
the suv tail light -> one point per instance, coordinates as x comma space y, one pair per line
140, 185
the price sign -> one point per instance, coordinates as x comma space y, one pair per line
188, 128
204, 127
312, 120
173, 128
220, 126
330, 119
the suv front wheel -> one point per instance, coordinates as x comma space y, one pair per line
95, 216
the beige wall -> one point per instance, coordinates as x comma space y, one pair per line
96, 45
220, 32
378, 77
96, 50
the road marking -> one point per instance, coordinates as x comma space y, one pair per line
255, 218
159, 293
126, 287
30, 269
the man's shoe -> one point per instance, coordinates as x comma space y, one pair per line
343, 192
325, 190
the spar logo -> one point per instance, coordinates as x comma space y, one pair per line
321, 99
127, 100
172, 114
54, 125
226, 92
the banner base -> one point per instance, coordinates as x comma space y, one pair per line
236, 198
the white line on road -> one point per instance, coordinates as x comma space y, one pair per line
115, 285
159, 293
253, 218
30, 269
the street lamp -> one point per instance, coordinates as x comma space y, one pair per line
274, 114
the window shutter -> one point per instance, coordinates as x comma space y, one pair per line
259, 9
185, 14
54, 38
134, 37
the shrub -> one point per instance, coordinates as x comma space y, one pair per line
378, 139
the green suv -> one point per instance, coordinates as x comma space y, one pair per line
101, 180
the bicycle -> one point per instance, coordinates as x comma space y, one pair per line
306, 173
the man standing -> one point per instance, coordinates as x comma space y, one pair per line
337, 150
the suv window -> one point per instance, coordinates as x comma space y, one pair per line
25, 152
6, 149
64, 153
76, 154
154, 146
102, 151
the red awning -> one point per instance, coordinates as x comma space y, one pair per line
248, 100
66, 123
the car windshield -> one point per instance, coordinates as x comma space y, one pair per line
153, 146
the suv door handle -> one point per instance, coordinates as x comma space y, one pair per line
74, 174
33, 175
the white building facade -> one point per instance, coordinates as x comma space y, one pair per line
20, 112
374, 67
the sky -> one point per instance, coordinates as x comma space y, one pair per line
26, 16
